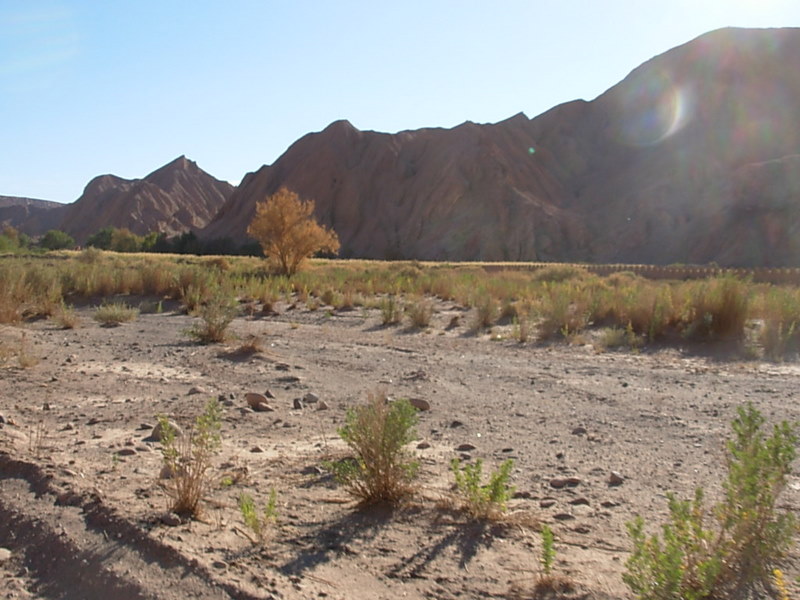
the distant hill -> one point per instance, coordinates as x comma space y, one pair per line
30, 215
691, 158
179, 196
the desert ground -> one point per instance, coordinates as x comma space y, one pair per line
82, 506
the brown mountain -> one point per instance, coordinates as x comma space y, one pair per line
691, 158
30, 215
179, 196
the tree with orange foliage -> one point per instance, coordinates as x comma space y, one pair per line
285, 227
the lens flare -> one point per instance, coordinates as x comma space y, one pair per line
652, 109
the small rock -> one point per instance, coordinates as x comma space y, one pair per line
311, 470
310, 398
68, 427
524, 494
46, 406
170, 519
579, 431
219, 564
615, 479
157, 434
419, 404
263, 407
609, 504
465, 448
269, 395
126, 452
322, 405
68, 498
5, 555
254, 398
546, 503
282, 367
563, 516
289, 379
297, 404
423, 446
562, 482
454, 424
93, 421
2, 419
581, 529
256, 449
579, 501
193, 391
144, 427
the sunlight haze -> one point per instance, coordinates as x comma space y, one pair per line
88, 88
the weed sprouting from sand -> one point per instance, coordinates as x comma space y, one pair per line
483, 501
259, 522
188, 458
115, 313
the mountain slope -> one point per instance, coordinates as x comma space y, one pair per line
177, 197
30, 215
689, 159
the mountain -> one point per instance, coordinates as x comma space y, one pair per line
30, 215
691, 158
179, 196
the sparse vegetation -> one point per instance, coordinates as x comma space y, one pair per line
483, 501
732, 548
259, 522
382, 470
216, 314
188, 458
115, 313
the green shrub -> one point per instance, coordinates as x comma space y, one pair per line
377, 432
115, 313
216, 314
483, 501
188, 458
731, 549
391, 310
548, 550
257, 522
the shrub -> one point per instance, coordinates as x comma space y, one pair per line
215, 316
558, 273
548, 550
259, 523
56, 240
66, 317
188, 458
115, 313
377, 432
287, 231
483, 501
420, 312
732, 548
391, 310
485, 312
718, 310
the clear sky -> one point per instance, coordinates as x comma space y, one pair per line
124, 86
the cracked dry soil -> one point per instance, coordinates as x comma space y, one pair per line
80, 498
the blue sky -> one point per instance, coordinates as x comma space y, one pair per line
124, 86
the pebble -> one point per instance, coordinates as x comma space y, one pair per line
126, 452
2, 419
423, 446
5, 555
263, 407
269, 394
454, 424
219, 564
579, 431
193, 391
311, 470
310, 398
578, 501
281, 367
563, 516
157, 434
546, 503
256, 449
562, 482
254, 398
170, 519
615, 479
420, 404
297, 404
465, 448
322, 405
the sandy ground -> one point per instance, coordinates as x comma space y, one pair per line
81, 502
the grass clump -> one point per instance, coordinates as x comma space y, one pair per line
420, 312
114, 314
731, 549
382, 470
66, 317
259, 522
216, 314
718, 310
188, 458
483, 501
391, 309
